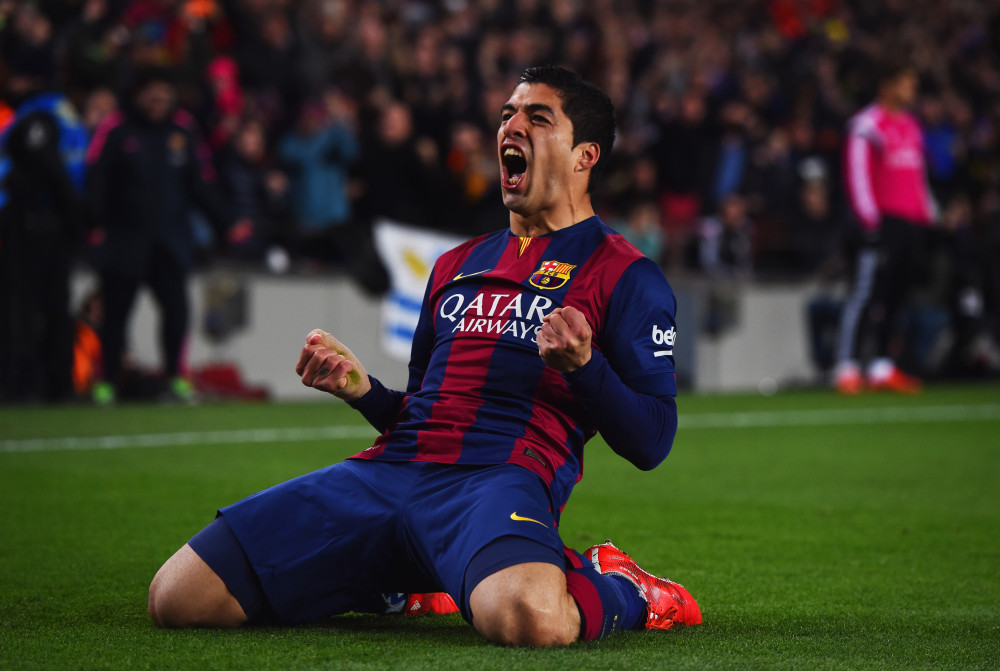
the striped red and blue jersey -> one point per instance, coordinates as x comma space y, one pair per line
480, 394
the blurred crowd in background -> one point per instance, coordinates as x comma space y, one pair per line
315, 118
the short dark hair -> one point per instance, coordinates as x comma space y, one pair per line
148, 75
589, 109
891, 68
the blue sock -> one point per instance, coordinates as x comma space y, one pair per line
634, 613
607, 603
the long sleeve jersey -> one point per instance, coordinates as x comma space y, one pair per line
479, 393
885, 169
144, 180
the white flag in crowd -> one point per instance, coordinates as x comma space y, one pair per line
409, 254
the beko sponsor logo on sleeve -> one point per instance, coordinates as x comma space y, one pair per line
662, 338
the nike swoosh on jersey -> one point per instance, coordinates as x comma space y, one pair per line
460, 275
517, 518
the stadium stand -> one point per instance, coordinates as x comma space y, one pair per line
718, 101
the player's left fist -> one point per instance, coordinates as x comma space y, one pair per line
564, 339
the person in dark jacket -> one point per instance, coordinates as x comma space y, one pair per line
41, 175
148, 168
405, 181
256, 191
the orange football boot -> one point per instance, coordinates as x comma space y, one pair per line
432, 603
667, 603
899, 382
849, 382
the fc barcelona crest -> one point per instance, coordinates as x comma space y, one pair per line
551, 275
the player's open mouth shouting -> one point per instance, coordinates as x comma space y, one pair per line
513, 165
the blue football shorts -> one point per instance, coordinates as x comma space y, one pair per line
330, 541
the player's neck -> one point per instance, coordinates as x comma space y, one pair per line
551, 219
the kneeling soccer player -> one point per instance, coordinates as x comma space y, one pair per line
530, 341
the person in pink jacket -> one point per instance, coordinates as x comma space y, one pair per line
886, 183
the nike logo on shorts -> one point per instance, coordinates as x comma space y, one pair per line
517, 518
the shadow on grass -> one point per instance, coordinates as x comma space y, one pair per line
441, 629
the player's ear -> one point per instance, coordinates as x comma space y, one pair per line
587, 155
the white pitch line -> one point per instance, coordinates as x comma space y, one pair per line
835, 416
709, 420
244, 436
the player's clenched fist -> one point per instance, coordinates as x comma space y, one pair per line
326, 364
564, 339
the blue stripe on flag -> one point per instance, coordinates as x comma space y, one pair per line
405, 302
400, 331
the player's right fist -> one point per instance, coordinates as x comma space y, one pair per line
326, 364
564, 341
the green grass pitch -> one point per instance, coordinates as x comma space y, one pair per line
816, 532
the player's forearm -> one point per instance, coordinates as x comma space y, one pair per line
210, 203
380, 405
860, 187
637, 426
